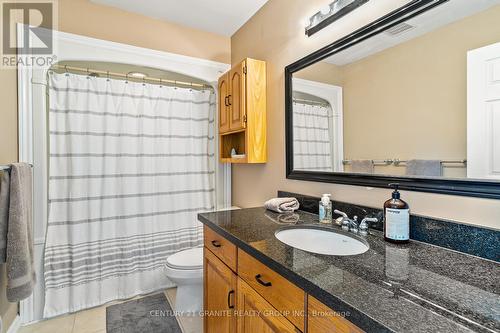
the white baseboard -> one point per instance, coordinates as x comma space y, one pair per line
15, 326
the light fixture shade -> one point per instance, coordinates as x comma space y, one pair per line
337, 9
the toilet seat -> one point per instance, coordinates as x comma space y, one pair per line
191, 259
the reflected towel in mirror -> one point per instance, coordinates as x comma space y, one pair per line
362, 166
432, 168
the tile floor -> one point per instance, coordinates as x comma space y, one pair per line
94, 321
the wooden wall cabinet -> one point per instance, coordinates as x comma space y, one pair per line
242, 112
254, 298
223, 104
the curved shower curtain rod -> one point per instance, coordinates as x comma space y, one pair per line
90, 71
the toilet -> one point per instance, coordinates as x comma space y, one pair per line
185, 269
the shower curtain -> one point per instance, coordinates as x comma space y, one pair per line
130, 167
312, 139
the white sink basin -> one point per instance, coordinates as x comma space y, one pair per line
322, 241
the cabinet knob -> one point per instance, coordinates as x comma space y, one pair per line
216, 243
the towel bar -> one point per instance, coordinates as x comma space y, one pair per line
7, 167
398, 162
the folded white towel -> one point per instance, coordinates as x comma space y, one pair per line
282, 205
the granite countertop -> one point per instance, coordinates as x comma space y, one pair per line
415, 287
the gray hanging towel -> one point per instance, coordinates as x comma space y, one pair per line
20, 268
431, 168
362, 166
4, 213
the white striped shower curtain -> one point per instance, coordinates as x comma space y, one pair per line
312, 142
130, 167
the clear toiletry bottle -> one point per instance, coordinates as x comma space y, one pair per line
325, 209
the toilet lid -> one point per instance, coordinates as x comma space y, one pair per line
187, 259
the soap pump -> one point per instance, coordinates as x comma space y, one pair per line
397, 218
325, 209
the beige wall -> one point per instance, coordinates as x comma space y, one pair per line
275, 34
85, 18
322, 72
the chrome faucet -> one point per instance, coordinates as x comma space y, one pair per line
347, 223
365, 223
353, 225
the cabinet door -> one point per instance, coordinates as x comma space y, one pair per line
278, 291
257, 315
237, 97
323, 319
219, 295
224, 103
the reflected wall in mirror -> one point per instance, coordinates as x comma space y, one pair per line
421, 98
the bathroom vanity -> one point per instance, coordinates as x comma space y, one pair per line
255, 283
262, 299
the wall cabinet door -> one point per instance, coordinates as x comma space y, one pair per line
237, 97
258, 315
224, 103
219, 295
242, 113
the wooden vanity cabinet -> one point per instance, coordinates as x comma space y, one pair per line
321, 318
277, 290
219, 295
242, 112
242, 295
221, 247
260, 315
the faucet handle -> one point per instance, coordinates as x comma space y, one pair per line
344, 215
364, 223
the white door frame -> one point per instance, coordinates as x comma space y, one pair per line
483, 122
32, 101
333, 95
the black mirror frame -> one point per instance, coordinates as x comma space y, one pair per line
462, 187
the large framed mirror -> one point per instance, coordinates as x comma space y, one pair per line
413, 98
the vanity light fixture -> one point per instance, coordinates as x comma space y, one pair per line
330, 14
